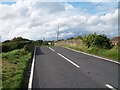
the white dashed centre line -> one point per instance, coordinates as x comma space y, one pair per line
109, 86
51, 49
68, 60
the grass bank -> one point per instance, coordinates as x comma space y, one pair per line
110, 54
14, 64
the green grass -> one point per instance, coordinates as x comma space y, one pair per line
14, 64
110, 54
0, 71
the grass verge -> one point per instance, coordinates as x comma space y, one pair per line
14, 64
110, 54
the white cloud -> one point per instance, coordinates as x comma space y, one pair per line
35, 20
62, 0
100, 0
68, 6
93, 20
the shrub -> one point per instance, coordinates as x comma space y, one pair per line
29, 47
94, 40
14, 65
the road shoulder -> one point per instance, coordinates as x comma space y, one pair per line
110, 60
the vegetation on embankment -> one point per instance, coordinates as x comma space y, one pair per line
110, 54
16, 61
95, 44
14, 64
17, 43
16, 56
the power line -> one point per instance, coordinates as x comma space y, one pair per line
89, 10
77, 20
58, 32
94, 6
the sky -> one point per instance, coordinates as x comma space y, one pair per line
38, 20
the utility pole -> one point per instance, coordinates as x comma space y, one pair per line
43, 38
0, 47
0, 39
58, 33
103, 32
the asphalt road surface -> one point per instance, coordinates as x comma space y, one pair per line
58, 67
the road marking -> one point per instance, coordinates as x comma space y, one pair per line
109, 86
68, 60
93, 55
51, 49
32, 70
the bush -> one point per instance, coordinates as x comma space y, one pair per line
16, 43
94, 40
14, 64
45, 43
78, 37
118, 46
29, 47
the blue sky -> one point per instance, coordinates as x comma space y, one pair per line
8, 3
90, 7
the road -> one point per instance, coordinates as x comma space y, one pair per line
58, 67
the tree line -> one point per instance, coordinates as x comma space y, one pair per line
19, 43
97, 41
91, 40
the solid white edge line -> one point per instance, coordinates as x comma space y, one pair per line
68, 60
93, 55
51, 49
109, 86
32, 70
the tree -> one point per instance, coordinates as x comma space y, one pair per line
19, 39
94, 40
78, 37
70, 38
16, 43
118, 45
38, 42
